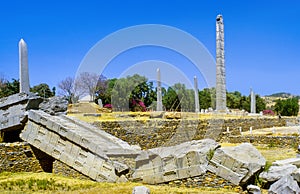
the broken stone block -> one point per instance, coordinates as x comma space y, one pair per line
122, 179
77, 144
296, 175
13, 110
237, 164
140, 190
54, 105
164, 164
276, 172
294, 161
120, 168
253, 189
286, 185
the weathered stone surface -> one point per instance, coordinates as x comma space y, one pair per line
220, 66
237, 164
159, 104
120, 168
296, 175
140, 190
77, 144
13, 110
165, 164
54, 105
286, 185
276, 172
23, 67
253, 189
122, 179
96, 166
294, 161
20, 98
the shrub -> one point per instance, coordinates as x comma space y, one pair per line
268, 112
109, 106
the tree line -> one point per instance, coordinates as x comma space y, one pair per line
126, 93
136, 93
8, 88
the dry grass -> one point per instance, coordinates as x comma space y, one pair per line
271, 154
275, 153
50, 183
77, 110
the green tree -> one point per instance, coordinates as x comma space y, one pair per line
179, 98
42, 90
245, 103
288, 107
233, 100
205, 98
9, 88
106, 97
171, 100
134, 87
260, 104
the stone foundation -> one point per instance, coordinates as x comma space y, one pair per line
206, 180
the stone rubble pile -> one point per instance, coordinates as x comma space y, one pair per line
181, 161
282, 177
237, 164
54, 105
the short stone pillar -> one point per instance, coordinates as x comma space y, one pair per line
100, 103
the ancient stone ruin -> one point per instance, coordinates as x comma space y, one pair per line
101, 156
44, 132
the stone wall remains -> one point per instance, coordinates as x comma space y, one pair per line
18, 157
271, 141
162, 132
21, 157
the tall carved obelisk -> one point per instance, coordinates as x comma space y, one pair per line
23, 67
253, 101
197, 106
159, 106
220, 60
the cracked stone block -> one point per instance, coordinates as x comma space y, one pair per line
237, 164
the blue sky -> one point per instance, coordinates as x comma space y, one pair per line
261, 37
